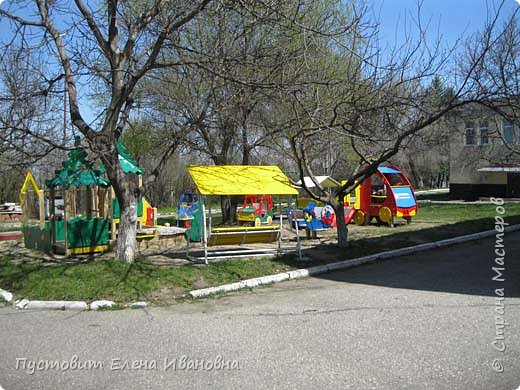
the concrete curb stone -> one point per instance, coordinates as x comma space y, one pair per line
136, 305
25, 304
320, 269
102, 303
56, 305
6, 295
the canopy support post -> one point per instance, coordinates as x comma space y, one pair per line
66, 205
210, 217
298, 242
52, 217
281, 231
204, 235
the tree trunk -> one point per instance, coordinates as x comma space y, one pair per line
341, 227
126, 239
228, 205
127, 192
225, 206
416, 177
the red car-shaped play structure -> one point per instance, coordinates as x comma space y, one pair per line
385, 195
256, 210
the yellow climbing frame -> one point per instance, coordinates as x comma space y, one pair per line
29, 181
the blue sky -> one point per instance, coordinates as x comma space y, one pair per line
449, 18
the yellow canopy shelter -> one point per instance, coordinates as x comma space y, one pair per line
241, 180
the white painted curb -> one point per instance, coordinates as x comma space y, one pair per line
25, 304
320, 269
54, 305
136, 305
102, 303
6, 295
21, 304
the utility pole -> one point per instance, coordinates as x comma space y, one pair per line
64, 111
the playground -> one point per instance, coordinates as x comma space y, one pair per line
77, 211
69, 227
165, 276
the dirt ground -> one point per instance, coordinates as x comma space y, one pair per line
173, 252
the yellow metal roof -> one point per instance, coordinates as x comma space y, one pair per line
241, 180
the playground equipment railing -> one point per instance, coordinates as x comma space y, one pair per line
242, 235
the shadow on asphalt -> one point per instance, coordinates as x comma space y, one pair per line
460, 269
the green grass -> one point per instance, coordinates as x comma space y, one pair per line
434, 196
216, 218
164, 220
167, 209
173, 208
463, 212
33, 278
4, 228
109, 279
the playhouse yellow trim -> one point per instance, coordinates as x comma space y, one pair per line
144, 214
29, 180
88, 249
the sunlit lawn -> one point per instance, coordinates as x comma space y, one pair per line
32, 277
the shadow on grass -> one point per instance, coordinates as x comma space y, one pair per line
16, 269
461, 269
464, 269
13, 276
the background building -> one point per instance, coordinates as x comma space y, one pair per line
484, 155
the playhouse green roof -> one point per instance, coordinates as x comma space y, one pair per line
82, 177
127, 164
79, 171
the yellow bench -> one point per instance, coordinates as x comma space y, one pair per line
243, 235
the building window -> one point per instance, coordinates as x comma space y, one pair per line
470, 134
508, 132
484, 132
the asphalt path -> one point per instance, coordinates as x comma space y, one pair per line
424, 321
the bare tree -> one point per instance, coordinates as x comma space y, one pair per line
29, 109
113, 46
425, 154
376, 104
240, 61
